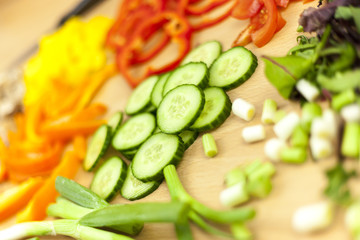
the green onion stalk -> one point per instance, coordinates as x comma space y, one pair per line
65, 227
77, 201
199, 211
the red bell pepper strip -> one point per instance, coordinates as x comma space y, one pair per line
211, 22
197, 10
282, 3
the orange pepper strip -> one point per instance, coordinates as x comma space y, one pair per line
70, 129
33, 118
80, 145
89, 113
90, 89
14, 199
33, 162
36, 208
3, 172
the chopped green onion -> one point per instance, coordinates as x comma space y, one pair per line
34, 238
300, 137
243, 109
269, 110
293, 155
342, 99
280, 114
308, 113
183, 230
320, 147
265, 169
352, 217
69, 228
253, 133
235, 176
351, 140
351, 113
259, 187
209, 145
284, 128
321, 128
308, 90
241, 232
331, 120
313, 217
273, 148
234, 195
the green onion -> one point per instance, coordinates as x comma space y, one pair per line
71, 190
234, 176
234, 195
280, 114
259, 187
69, 228
269, 110
177, 191
253, 133
34, 238
352, 217
351, 140
241, 232
183, 231
293, 155
173, 212
273, 148
351, 113
308, 90
258, 169
209, 145
313, 217
284, 128
66, 209
300, 137
320, 147
70, 210
310, 110
342, 99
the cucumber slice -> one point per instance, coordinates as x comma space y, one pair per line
109, 178
188, 137
180, 108
232, 68
134, 132
115, 122
216, 110
206, 53
191, 73
157, 152
97, 147
141, 96
156, 94
134, 189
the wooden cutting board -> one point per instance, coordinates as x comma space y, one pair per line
203, 177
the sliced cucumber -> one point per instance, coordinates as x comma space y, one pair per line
216, 110
156, 94
206, 53
134, 189
134, 132
180, 108
191, 73
188, 137
232, 68
129, 154
109, 178
141, 96
157, 152
115, 121
97, 147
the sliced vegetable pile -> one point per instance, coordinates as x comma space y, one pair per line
57, 112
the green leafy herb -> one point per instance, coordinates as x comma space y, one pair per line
348, 13
341, 81
337, 188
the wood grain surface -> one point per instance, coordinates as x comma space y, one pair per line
23, 21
